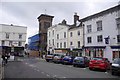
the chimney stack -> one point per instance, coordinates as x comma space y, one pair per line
76, 17
64, 22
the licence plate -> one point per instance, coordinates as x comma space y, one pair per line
65, 61
96, 66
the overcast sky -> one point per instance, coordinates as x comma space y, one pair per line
25, 12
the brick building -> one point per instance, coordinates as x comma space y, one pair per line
45, 21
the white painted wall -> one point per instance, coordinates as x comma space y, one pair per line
14, 32
58, 29
109, 29
75, 38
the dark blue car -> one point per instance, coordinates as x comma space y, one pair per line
68, 60
81, 61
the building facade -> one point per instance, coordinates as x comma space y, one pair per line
58, 37
102, 34
75, 39
12, 38
66, 38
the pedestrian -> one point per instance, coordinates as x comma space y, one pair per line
28, 54
4, 58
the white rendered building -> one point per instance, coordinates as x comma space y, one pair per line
12, 38
102, 34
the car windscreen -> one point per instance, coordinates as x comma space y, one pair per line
97, 59
79, 58
116, 61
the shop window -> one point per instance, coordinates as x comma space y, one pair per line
116, 54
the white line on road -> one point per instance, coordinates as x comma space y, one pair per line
26, 63
48, 75
38, 70
106, 72
42, 72
54, 75
69, 66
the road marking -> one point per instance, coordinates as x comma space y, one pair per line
54, 75
106, 72
48, 75
38, 70
69, 66
62, 77
26, 63
42, 72
32, 65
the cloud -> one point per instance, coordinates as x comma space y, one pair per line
24, 12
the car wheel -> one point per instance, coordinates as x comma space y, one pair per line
74, 65
113, 73
47, 60
90, 68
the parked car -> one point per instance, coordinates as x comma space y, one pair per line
68, 59
99, 63
81, 61
115, 67
58, 57
49, 57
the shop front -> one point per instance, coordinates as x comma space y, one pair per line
115, 52
94, 51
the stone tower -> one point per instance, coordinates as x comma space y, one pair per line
45, 21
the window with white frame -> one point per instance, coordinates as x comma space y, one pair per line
118, 23
19, 43
10, 43
71, 34
71, 43
53, 41
99, 38
57, 36
64, 44
89, 28
78, 44
49, 42
7, 35
118, 38
78, 33
89, 39
99, 25
60, 45
64, 34
3, 43
53, 32
49, 34
20, 36
57, 45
